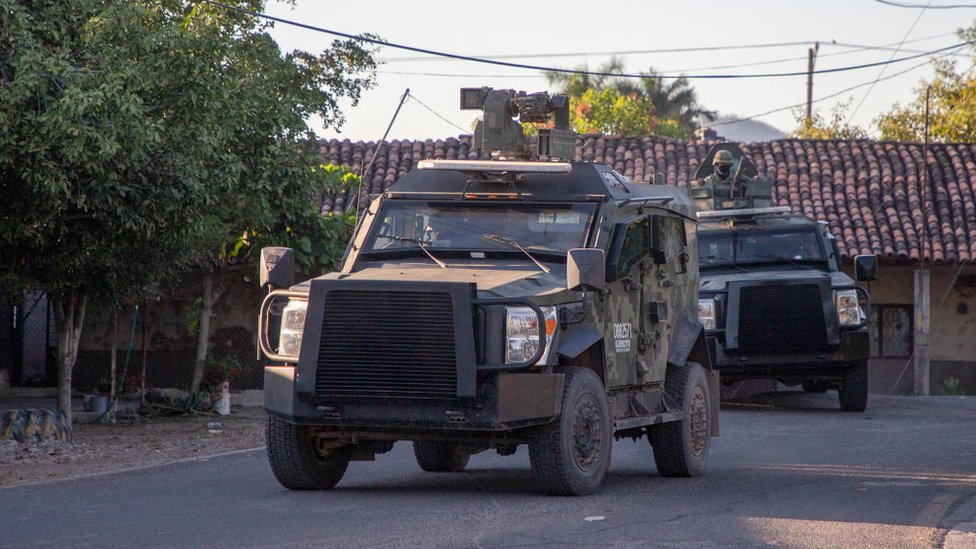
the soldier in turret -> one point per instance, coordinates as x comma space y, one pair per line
722, 181
732, 182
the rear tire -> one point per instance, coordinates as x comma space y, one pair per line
297, 462
571, 454
853, 391
681, 447
440, 457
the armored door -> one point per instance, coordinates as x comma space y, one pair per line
630, 257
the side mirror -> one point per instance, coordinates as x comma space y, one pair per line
586, 269
865, 267
277, 267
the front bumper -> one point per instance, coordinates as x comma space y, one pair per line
854, 347
507, 401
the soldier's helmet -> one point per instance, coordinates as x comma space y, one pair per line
723, 157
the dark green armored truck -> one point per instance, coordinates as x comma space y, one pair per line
491, 304
774, 301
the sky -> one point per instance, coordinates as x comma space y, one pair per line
575, 33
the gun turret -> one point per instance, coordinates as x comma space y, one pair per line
728, 180
500, 131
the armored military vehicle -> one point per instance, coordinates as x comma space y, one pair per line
774, 301
488, 304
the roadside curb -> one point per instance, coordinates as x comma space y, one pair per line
962, 533
961, 536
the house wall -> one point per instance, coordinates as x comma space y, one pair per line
952, 327
170, 345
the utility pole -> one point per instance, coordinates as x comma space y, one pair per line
922, 280
811, 61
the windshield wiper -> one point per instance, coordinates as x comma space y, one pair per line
514, 244
419, 244
719, 264
790, 260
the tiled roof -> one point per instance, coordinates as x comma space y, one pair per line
868, 191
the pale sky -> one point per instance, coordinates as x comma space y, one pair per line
588, 29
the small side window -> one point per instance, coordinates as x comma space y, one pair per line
635, 247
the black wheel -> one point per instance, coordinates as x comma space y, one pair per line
681, 447
853, 391
297, 461
814, 387
570, 455
439, 457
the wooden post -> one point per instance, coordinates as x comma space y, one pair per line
922, 332
811, 61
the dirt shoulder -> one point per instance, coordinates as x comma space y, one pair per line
130, 443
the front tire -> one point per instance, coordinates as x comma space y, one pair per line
853, 391
571, 454
296, 460
681, 447
439, 457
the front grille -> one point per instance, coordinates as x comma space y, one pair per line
385, 344
781, 318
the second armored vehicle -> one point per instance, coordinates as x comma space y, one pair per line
492, 304
774, 301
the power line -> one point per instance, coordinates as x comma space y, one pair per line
460, 75
826, 97
459, 57
885, 67
921, 7
435, 113
857, 47
618, 52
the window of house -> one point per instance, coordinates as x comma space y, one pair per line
891, 331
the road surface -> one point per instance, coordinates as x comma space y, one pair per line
788, 470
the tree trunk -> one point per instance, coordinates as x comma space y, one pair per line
145, 356
209, 298
69, 317
113, 363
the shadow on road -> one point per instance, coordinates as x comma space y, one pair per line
787, 401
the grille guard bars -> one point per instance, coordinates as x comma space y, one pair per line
542, 334
264, 346
863, 297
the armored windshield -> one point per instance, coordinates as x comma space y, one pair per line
721, 248
407, 225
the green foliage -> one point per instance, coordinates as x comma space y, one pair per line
819, 126
951, 104
608, 111
319, 240
220, 369
952, 108
193, 404
138, 137
950, 386
621, 106
193, 312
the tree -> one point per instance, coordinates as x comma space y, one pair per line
274, 198
122, 129
649, 105
952, 108
819, 126
290, 218
951, 104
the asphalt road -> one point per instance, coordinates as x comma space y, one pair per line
788, 470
